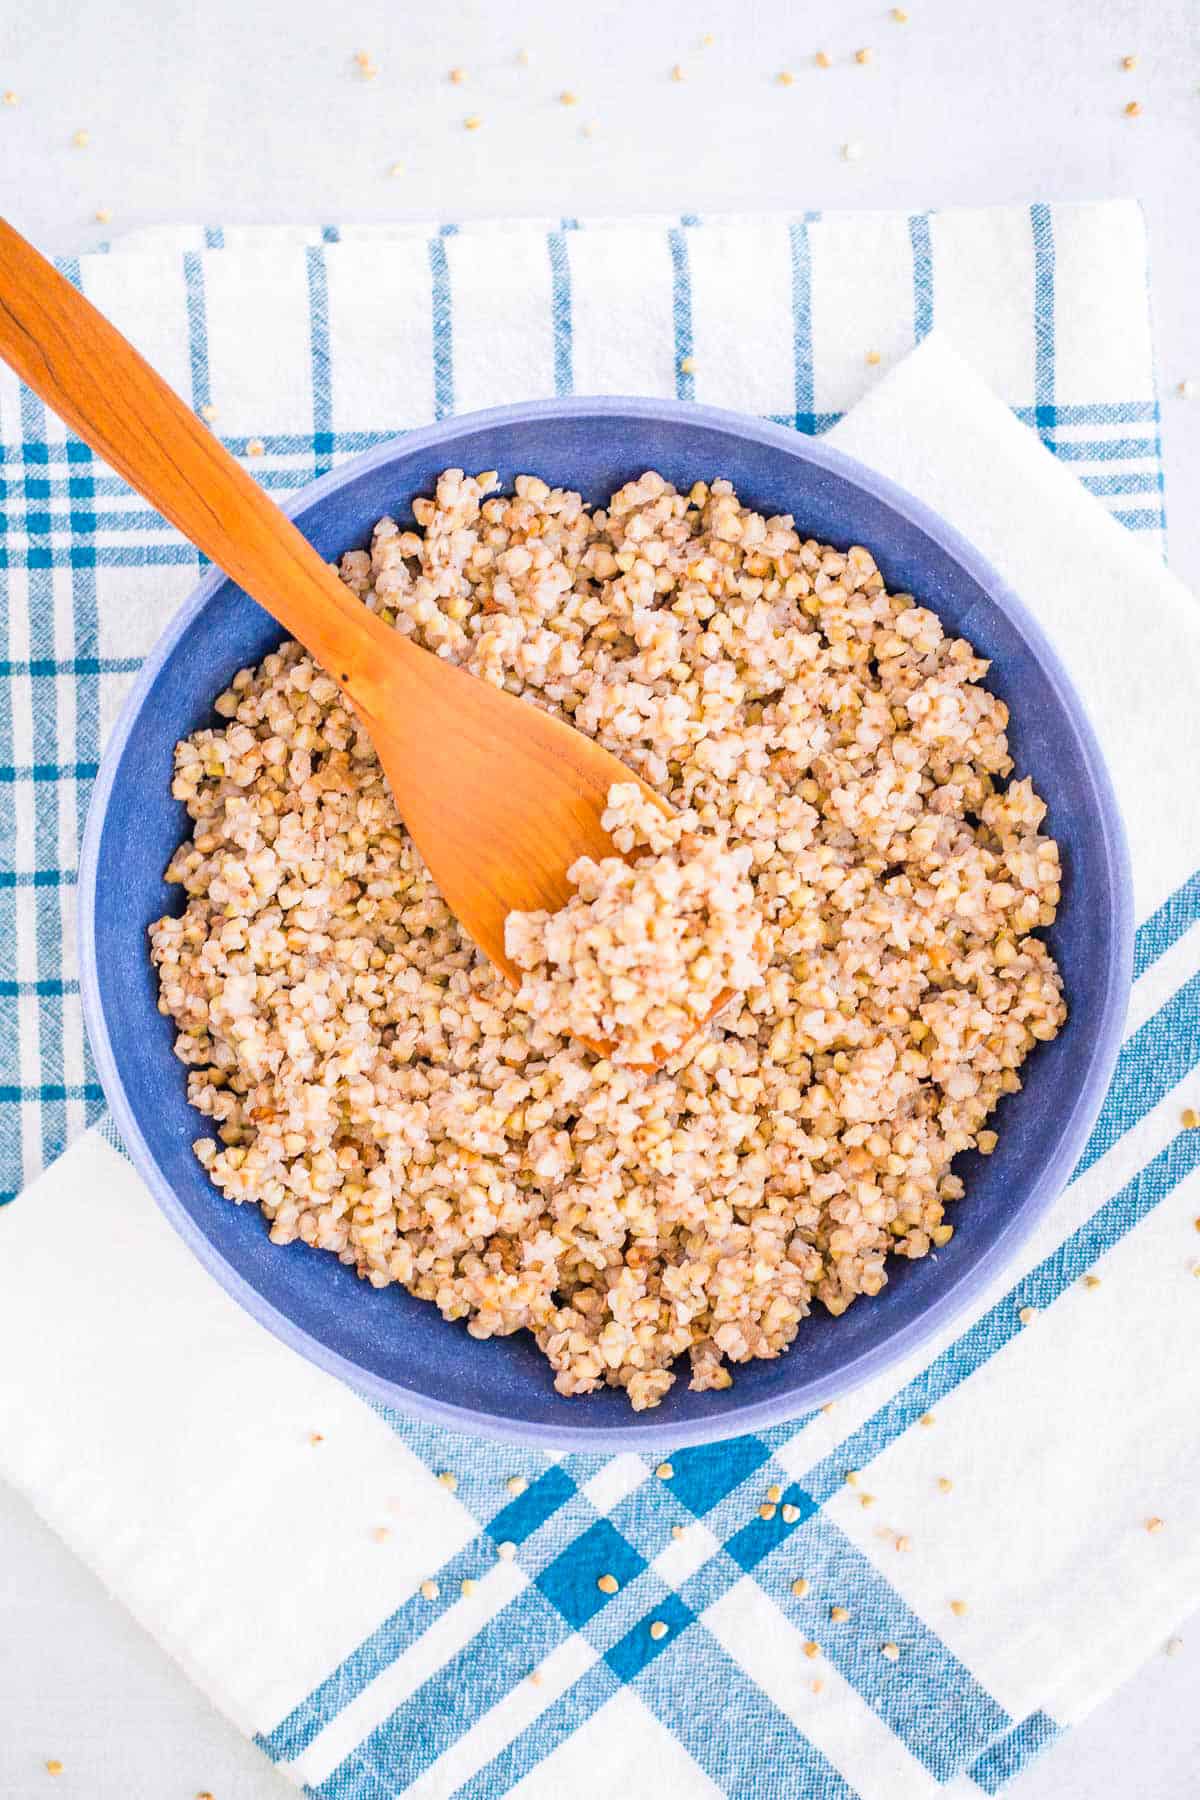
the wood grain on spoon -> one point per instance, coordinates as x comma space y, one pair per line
500, 796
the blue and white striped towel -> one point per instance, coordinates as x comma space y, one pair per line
171, 1440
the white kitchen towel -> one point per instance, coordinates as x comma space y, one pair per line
274, 1531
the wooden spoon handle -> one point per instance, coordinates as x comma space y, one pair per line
95, 380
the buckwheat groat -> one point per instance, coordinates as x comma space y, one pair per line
642, 953
380, 1092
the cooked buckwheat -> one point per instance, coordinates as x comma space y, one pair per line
642, 952
380, 1092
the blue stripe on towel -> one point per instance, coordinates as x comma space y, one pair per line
321, 372
1042, 225
681, 314
560, 307
922, 261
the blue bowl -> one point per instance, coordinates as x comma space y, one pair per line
397, 1349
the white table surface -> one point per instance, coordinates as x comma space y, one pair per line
223, 111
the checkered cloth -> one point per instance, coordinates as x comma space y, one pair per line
272, 1528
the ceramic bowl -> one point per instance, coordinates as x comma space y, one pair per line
397, 1349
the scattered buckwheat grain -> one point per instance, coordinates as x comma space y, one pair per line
256, 447
1190, 1119
1132, 108
1091, 1281
945, 1485
1027, 1314
54, 1767
891, 1651
608, 1584
81, 139
664, 1471
567, 98
472, 122
766, 1510
959, 1608
506, 1551
659, 1629
800, 1587
862, 56
457, 77
516, 1485
448, 1479
823, 59
430, 1590
103, 215
838, 1615
790, 1512
1129, 62
1154, 1523
785, 78
812, 1649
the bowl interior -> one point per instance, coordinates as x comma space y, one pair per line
394, 1346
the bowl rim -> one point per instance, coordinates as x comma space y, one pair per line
951, 1301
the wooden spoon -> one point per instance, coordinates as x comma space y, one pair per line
499, 796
